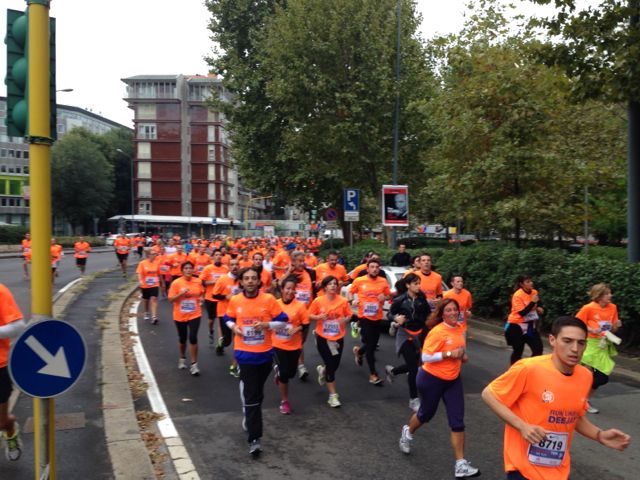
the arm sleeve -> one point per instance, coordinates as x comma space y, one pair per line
527, 309
13, 329
428, 358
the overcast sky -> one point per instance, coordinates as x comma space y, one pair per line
101, 41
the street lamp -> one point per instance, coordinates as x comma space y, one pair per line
133, 214
65, 90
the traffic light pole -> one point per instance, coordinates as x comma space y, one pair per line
39, 137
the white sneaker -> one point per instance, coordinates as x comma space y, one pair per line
414, 404
13, 445
393, 328
182, 364
464, 469
321, 375
405, 440
334, 401
303, 373
194, 370
591, 408
388, 370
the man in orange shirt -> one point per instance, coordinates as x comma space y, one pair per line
26, 254
330, 267
56, 256
542, 401
138, 244
148, 271
223, 290
81, 252
430, 281
121, 246
462, 296
12, 325
209, 276
369, 293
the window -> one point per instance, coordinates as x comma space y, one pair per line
223, 136
212, 191
144, 169
144, 208
211, 133
25, 169
144, 150
3, 202
212, 173
147, 131
212, 153
15, 187
212, 116
3, 169
147, 112
25, 154
144, 189
212, 209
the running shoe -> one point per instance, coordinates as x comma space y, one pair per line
405, 440
355, 330
591, 408
182, 364
147, 317
465, 470
220, 347
389, 373
393, 328
321, 375
234, 371
375, 379
303, 373
210, 338
358, 357
285, 408
194, 370
334, 400
255, 448
276, 375
13, 444
414, 404
154, 320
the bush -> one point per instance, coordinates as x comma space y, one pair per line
12, 235
68, 242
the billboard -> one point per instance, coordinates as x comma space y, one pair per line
395, 205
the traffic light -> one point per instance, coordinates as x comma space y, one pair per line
17, 73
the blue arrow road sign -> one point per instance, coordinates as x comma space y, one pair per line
47, 359
351, 200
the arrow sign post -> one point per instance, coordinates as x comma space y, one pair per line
47, 359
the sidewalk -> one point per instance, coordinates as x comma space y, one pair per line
67, 251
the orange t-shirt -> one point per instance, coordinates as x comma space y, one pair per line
81, 249
519, 301
464, 301
311, 261
431, 286
537, 392
597, 317
226, 285
443, 338
368, 290
324, 270
26, 248
122, 245
356, 271
56, 254
201, 260
176, 260
9, 312
187, 307
245, 312
304, 287
281, 260
164, 264
148, 272
333, 328
297, 313
212, 273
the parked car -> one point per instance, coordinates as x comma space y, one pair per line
392, 275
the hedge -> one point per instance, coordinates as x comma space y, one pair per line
11, 235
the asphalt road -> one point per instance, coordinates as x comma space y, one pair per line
361, 438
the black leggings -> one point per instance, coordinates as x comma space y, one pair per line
287, 361
370, 337
331, 362
252, 378
515, 475
226, 332
518, 340
411, 364
599, 378
192, 326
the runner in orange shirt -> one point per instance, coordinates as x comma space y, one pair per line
200, 259
331, 267
138, 243
369, 293
244, 260
56, 257
224, 289
542, 401
265, 275
287, 341
331, 313
186, 295
81, 252
430, 281
249, 315
209, 277
522, 324
462, 296
122, 246
281, 262
176, 260
310, 260
25, 245
12, 324
443, 354
148, 271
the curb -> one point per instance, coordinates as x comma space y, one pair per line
127, 451
627, 369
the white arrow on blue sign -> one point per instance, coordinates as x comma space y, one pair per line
351, 200
47, 359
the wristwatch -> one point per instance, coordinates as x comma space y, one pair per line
448, 354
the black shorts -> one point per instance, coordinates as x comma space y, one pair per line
147, 293
5, 385
81, 261
122, 257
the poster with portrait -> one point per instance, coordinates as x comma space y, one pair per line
395, 205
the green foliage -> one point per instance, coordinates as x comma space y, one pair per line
12, 235
68, 242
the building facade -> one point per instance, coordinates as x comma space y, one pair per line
14, 158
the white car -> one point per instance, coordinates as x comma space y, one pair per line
112, 238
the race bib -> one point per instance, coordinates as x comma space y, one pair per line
283, 333
187, 306
531, 316
303, 296
81, 252
235, 290
164, 268
331, 328
549, 452
151, 281
460, 317
605, 326
200, 268
371, 309
251, 336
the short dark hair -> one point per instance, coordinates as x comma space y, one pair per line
374, 260
290, 278
327, 280
567, 321
410, 278
520, 279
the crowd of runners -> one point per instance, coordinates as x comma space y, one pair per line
263, 296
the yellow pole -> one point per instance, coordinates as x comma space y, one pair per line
40, 210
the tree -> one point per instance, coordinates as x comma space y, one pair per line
82, 178
117, 147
